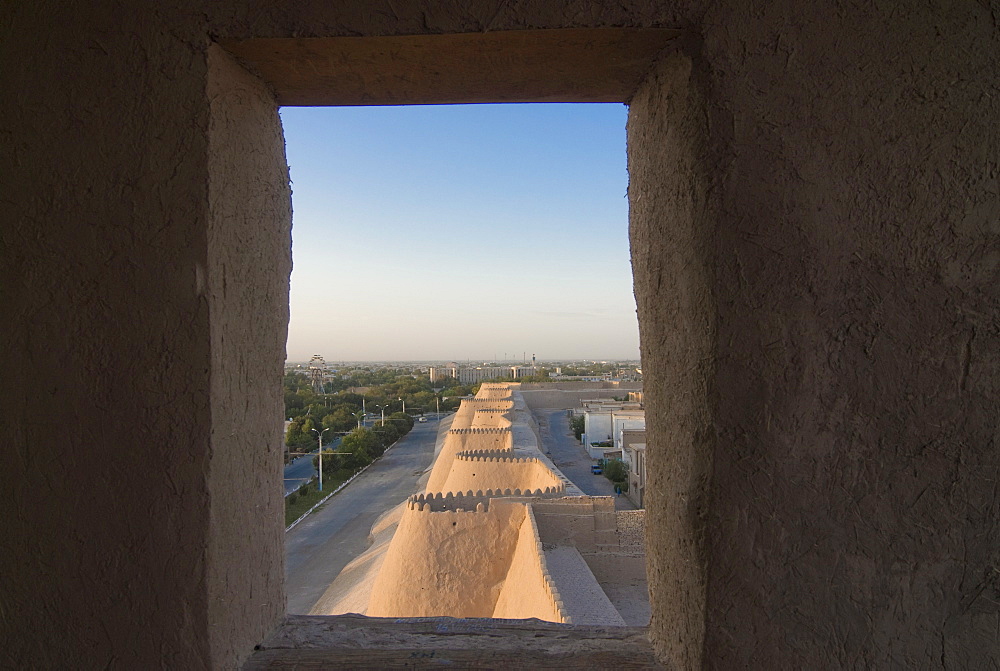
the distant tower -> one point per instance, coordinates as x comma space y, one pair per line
532, 360
317, 370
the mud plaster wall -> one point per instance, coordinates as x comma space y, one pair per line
854, 389
491, 473
249, 241
458, 442
670, 229
105, 348
525, 593
854, 518
447, 562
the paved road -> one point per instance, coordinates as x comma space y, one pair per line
318, 548
569, 456
301, 469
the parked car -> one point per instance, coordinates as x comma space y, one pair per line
596, 469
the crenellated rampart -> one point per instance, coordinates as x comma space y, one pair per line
478, 430
474, 501
494, 391
466, 440
492, 417
499, 470
500, 404
470, 545
447, 562
529, 589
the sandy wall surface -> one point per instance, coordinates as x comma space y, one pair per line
478, 472
493, 418
462, 440
248, 308
468, 546
813, 222
450, 563
526, 590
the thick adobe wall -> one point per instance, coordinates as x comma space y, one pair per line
128, 274
671, 229
494, 391
491, 418
471, 500
528, 589
493, 471
588, 523
854, 150
854, 517
465, 440
450, 562
248, 269
106, 407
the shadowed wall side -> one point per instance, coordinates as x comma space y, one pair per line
670, 230
105, 352
249, 240
855, 520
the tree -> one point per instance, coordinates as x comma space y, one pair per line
616, 471
341, 419
362, 445
577, 424
386, 434
403, 420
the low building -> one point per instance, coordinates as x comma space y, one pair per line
634, 456
603, 427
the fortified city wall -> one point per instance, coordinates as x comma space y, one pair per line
471, 544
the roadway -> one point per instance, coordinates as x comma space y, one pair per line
301, 469
321, 545
571, 458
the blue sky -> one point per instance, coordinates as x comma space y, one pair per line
459, 232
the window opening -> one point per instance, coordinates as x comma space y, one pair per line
427, 241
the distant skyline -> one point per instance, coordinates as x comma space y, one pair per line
459, 233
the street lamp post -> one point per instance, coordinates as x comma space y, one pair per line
319, 438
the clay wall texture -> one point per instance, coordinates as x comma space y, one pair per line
471, 547
671, 226
854, 512
528, 589
498, 473
447, 562
249, 239
457, 441
106, 407
813, 222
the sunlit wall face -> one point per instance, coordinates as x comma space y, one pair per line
460, 232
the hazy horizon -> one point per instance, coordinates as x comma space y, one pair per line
456, 233
473, 362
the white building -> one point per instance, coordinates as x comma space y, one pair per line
606, 426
